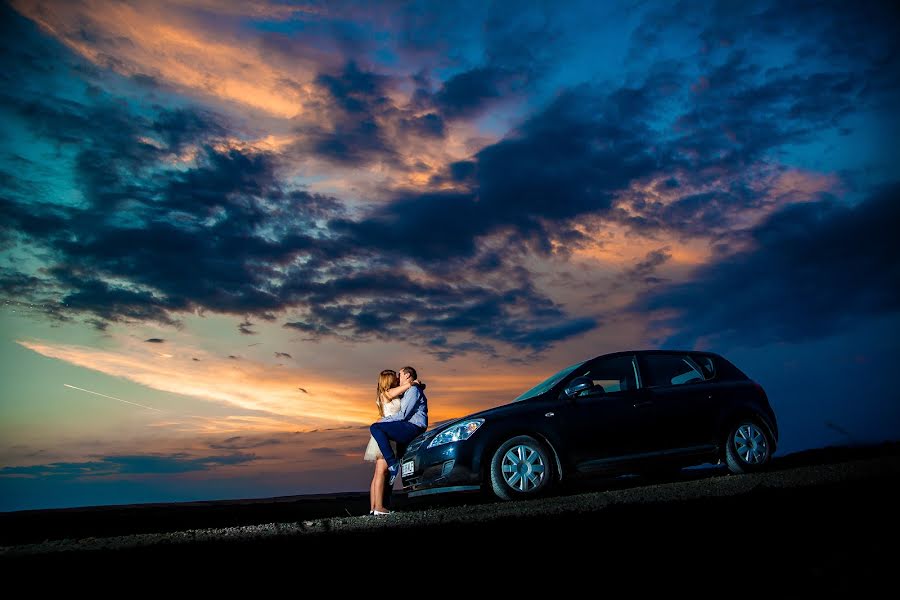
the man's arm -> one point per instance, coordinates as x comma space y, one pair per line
407, 406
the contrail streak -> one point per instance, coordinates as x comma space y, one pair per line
110, 397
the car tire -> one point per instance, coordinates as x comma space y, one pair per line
748, 447
521, 468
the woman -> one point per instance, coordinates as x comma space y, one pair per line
387, 399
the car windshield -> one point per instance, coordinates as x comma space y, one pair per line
548, 383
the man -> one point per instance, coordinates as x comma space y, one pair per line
404, 426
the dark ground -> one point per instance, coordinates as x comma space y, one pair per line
823, 520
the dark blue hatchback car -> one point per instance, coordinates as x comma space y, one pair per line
617, 413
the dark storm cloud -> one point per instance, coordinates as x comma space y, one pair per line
354, 136
129, 465
425, 314
644, 272
205, 219
468, 93
519, 47
568, 160
181, 126
111, 303
703, 214
360, 123
740, 120
430, 125
814, 269
836, 31
744, 113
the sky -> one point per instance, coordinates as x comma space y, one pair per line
221, 219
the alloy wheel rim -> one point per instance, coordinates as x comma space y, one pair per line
750, 444
523, 468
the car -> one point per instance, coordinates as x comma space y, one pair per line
626, 412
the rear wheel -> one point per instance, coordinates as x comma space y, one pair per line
748, 447
520, 468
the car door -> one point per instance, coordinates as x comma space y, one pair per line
610, 422
683, 403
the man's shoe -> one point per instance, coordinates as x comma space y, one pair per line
392, 472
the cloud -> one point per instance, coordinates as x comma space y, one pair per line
130, 465
470, 92
596, 148
644, 272
267, 395
244, 443
171, 44
155, 340
456, 223
813, 269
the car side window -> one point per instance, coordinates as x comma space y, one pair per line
610, 375
706, 364
671, 369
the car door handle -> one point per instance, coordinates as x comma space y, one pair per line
643, 403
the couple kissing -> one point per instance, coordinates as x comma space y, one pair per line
403, 407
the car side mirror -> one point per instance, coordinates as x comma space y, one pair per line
578, 385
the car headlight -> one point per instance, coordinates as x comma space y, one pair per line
460, 431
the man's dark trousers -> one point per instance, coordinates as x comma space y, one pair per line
402, 432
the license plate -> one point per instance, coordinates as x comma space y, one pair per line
408, 467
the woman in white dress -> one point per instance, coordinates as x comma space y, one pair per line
387, 399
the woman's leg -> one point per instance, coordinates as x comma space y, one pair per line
372, 489
378, 484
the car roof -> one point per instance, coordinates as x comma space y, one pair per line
656, 351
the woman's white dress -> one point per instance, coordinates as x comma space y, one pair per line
373, 452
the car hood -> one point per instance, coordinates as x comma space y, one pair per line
502, 410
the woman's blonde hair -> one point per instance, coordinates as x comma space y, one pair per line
386, 380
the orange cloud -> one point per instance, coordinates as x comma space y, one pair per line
167, 42
796, 185
242, 384
615, 245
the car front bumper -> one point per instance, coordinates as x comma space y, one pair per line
449, 467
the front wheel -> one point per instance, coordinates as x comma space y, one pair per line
747, 448
520, 468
